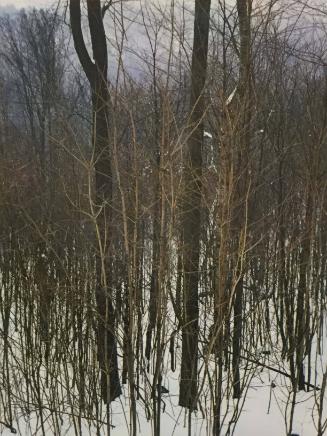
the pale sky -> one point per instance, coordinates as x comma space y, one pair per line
34, 3
23, 3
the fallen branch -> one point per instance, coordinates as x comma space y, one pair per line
263, 365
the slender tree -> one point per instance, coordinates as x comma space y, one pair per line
244, 8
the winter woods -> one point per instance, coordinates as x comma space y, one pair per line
163, 239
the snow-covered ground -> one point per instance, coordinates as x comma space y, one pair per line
264, 408
266, 404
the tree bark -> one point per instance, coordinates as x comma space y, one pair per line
191, 213
244, 8
96, 73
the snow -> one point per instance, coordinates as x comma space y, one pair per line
263, 407
263, 413
231, 96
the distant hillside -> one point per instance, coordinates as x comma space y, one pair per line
8, 9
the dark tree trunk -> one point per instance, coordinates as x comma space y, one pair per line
244, 16
96, 73
191, 213
237, 335
302, 321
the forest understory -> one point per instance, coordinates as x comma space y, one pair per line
163, 218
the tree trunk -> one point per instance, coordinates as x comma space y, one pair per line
96, 73
244, 8
302, 321
191, 212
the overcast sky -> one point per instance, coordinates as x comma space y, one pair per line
24, 3
9, 6
18, 4
30, 3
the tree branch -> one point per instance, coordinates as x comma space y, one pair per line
79, 44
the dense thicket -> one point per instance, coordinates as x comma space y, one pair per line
165, 220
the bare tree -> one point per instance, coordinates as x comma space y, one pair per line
191, 211
96, 72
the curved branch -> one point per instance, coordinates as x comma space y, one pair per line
79, 44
